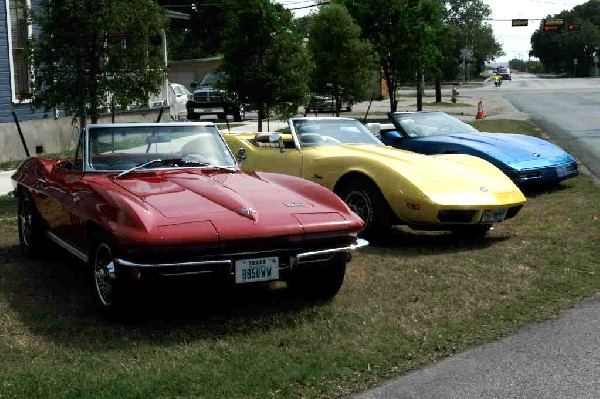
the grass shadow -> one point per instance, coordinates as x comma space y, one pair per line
405, 241
540, 189
52, 299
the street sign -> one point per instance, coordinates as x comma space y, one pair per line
520, 22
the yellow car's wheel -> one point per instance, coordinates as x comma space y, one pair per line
364, 198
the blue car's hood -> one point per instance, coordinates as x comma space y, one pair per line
509, 149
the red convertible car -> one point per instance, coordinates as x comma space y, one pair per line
141, 201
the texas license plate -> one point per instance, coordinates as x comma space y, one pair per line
495, 215
258, 269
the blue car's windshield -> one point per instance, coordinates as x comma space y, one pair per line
430, 124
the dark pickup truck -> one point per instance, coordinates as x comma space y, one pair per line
208, 100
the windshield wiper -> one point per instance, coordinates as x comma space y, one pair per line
143, 165
174, 161
210, 165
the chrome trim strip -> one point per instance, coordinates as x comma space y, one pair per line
71, 249
359, 244
185, 273
301, 257
225, 262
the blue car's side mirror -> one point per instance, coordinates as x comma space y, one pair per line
393, 135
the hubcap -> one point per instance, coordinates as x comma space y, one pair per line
104, 273
25, 220
359, 203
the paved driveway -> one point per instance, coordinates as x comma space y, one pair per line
556, 359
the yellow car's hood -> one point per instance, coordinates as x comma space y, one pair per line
445, 179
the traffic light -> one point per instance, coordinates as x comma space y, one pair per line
573, 27
553, 25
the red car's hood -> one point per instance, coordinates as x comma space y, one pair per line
195, 194
231, 206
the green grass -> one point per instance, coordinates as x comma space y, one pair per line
406, 302
506, 126
10, 165
14, 164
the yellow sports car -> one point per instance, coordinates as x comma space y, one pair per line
383, 185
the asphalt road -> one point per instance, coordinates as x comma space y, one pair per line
561, 357
556, 359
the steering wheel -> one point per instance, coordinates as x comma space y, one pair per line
195, 157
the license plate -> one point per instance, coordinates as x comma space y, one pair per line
495, 215
561, 171
258, 269
207, 110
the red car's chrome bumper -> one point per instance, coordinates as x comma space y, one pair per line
211, 265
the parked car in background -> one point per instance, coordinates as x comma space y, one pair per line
383, 185
209, 100
320, 104
142, 202
504, 73
182, 96
525, 159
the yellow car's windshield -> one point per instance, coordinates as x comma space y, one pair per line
313, 132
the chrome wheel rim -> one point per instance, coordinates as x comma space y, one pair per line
104, 274
359, 203
26, 222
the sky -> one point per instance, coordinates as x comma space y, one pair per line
515, 41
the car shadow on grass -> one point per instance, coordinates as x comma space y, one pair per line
536, 190
406, 241
52, 299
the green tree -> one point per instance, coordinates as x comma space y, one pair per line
557, 49
264, 56
404, 34
93, 53
199, 36
343, 62
469, 30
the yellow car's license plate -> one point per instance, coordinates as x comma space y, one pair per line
258, 269
495, 215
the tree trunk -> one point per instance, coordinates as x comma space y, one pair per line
420, 88
391, 86
260, 116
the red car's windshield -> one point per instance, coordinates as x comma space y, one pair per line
119, 148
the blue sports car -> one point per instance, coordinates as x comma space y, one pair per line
525, 159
